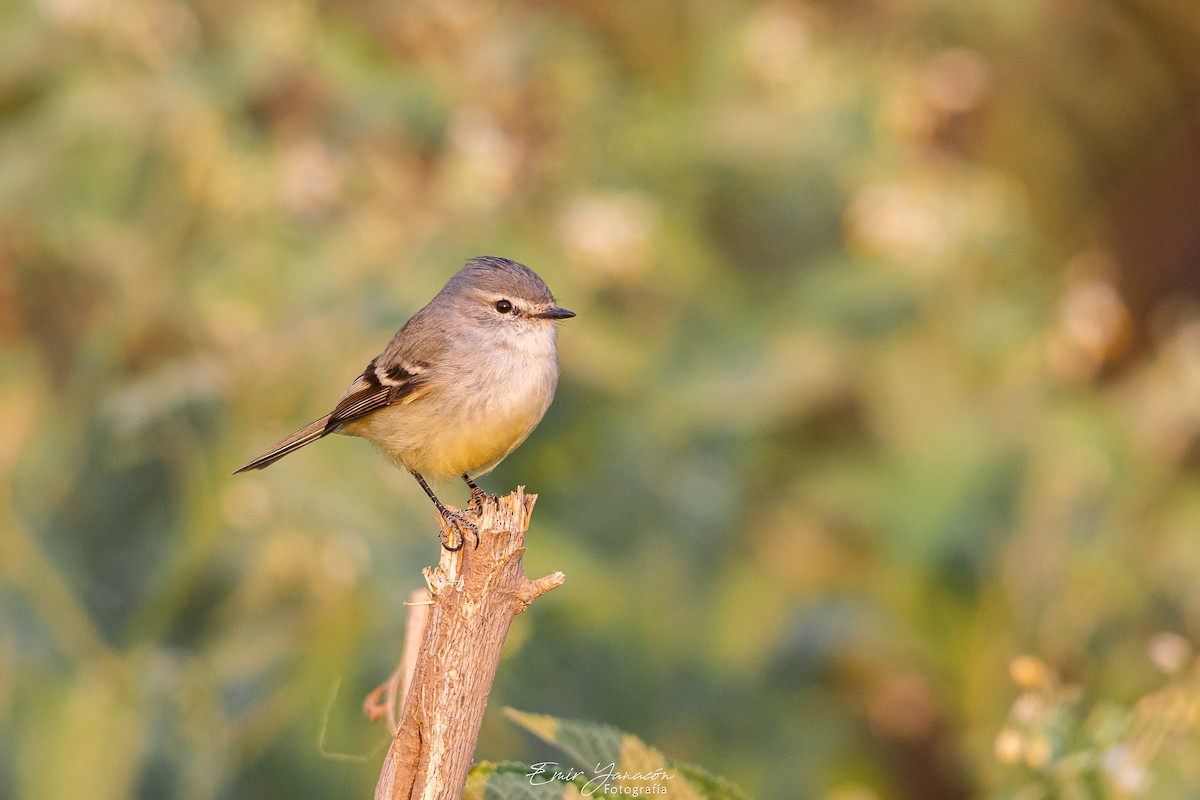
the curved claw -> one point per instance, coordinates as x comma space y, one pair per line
456, 548
460, 524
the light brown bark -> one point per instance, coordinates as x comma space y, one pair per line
476, 593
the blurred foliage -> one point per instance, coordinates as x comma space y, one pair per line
884, 381
1074, 746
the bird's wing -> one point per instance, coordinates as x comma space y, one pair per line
400, 374
383, 383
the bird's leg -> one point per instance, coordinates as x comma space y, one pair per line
455, 518
477, 494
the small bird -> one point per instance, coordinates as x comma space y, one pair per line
459, 387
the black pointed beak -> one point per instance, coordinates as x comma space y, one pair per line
554, 312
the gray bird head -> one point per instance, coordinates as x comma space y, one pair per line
493, 290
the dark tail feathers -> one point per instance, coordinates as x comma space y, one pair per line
309, 433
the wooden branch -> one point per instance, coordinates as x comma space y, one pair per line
476, 593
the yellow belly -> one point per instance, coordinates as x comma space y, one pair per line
423, 438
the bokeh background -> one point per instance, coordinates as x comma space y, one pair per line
874, 464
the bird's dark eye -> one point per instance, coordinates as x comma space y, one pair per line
503, 306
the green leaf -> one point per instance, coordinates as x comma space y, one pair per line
589, 743
510, 781
604, 755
